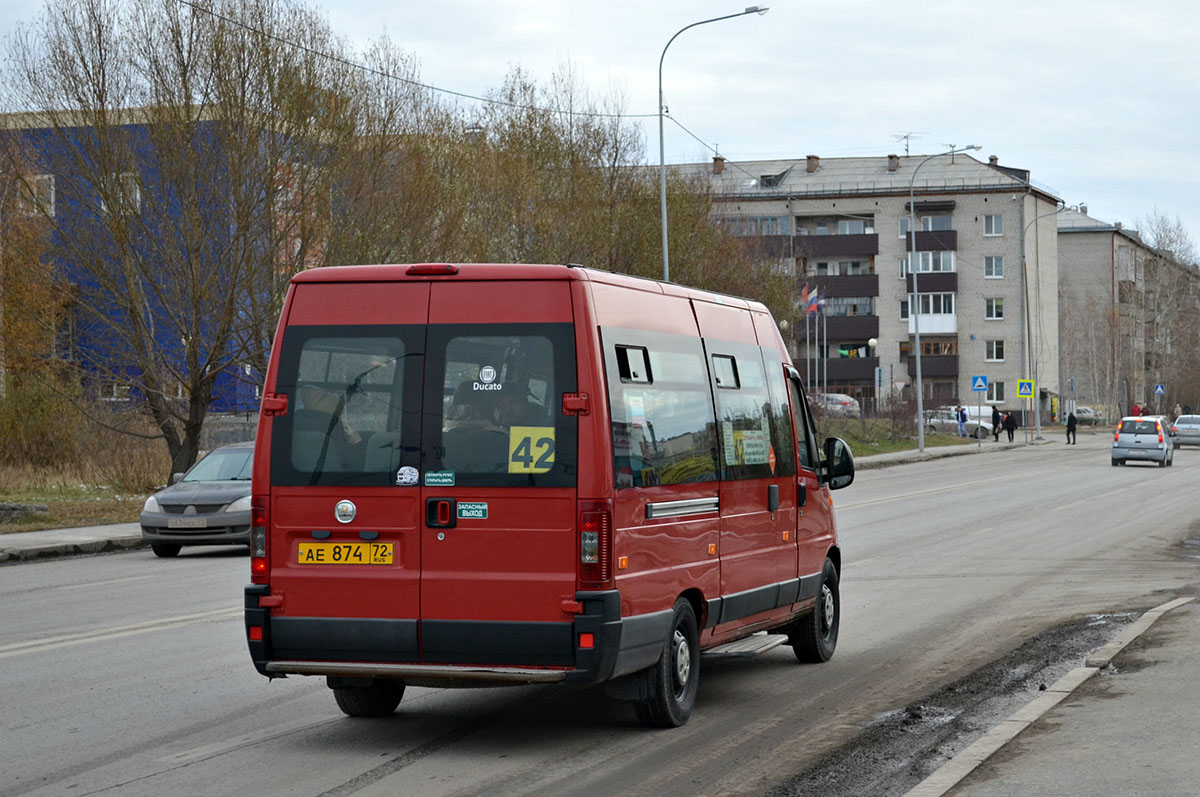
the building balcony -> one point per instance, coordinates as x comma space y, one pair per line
846, 369
937, 240
935, 324
810, 246
840, 327
933, 282
856, 285
934, 365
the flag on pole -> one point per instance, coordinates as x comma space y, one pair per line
804, 299
810, 306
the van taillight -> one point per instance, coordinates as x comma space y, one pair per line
595, 545
258, 539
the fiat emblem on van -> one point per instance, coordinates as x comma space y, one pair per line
345, 511
487, 374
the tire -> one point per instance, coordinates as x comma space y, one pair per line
980, 433
1116, 462
814, 636
165, 549
377, 700
670, 686
1162, 463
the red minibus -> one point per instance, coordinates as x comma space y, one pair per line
477, 474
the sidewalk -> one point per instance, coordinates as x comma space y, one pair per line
69, 542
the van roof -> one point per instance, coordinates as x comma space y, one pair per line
398, 272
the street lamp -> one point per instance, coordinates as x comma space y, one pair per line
914, 302
662, 161
1033, 372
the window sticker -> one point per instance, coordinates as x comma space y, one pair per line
530, 449
754, 448
407, 477
439, 478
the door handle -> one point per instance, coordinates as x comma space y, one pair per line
801, 493
440, 514
772, 497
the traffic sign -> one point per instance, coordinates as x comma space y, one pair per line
1160, 390
979, 383
1025, 388
900, 385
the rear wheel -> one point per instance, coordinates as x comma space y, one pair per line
981, 433
1116, 462
379, 699
165, 549
670, 686
814, 636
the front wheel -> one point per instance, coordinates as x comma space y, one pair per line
670, 687
165, 549
814, 637
980, 433
379, 699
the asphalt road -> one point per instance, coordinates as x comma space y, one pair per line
128, 674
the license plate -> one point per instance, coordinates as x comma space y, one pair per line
345, 553
187, 523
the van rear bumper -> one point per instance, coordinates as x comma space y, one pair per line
596, 646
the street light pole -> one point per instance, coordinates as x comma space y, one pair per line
662, 161
914, 309
1033, 372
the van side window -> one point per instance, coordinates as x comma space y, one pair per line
780, 414
663, 431
744, 413
805, 442
633, 362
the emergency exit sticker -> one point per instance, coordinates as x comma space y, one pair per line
476, 510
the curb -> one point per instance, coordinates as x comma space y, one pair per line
52, 550
964, 763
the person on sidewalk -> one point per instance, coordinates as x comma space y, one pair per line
1071, 424
996, 423
961, 416
1010, 425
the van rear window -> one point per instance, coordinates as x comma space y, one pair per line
407, 405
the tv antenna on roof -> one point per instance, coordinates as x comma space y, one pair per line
907, 137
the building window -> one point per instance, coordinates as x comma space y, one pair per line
851, 226
126, 194
993, 267
904, 309
995, 393
936, 303
822, 228
994, 351
930, 261
848, 305
993, 224
993, 309
926, 224
36, 196
114, 391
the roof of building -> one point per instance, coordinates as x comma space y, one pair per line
1073, 221
814, 176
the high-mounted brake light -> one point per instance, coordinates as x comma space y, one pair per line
258, 539
432, 270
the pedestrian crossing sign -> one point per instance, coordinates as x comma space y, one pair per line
1025, 388
1160, 390
979, 383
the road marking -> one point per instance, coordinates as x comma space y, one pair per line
219, 748
109, 581
102, 635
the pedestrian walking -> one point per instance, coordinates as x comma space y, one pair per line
1178, 410
961, 416
1010, 425
1071, 424
996, 423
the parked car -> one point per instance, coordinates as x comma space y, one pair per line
1088, 416
1186, 431
208, 505
1145, 438
838, 404
945, 421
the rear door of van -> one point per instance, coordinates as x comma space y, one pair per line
423, 477
498, 488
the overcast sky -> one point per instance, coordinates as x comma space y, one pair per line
1098, 99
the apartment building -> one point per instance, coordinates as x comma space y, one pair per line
985, 271
1128, 320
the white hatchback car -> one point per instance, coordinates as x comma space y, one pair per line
1144, 438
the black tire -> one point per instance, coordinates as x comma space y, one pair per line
1162, 463
165, 549
670, 686
814, 636
981, 433
1116, 462
377, 700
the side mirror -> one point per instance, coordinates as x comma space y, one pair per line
175, 477
839, 463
